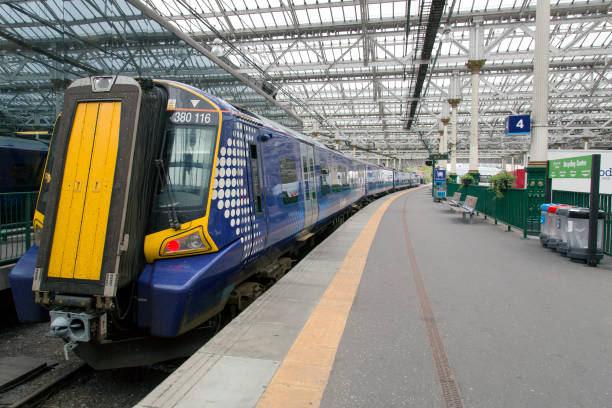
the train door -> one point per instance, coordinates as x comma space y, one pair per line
80, 228
311, 206
255, 237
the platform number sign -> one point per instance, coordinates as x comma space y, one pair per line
518, 125
440, 175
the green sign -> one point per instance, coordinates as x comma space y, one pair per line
439, 156
572, 167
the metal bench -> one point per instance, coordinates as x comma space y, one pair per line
455, 201
468, 207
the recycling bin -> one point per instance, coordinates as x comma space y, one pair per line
578, 234
562, 216
544, 223
439, 190
554, 232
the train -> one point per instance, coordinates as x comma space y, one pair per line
162, 206
22, 163
20, 172
21, 167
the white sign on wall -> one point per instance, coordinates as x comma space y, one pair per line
584, 185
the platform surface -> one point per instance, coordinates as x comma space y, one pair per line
405, 305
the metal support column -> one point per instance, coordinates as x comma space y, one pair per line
539, 122
475, 63
454, 97
536, 169
441, 147
444, 118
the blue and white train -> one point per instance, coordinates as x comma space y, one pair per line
161, 205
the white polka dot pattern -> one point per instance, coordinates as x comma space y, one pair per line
230, 192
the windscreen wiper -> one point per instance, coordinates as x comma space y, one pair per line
173, 218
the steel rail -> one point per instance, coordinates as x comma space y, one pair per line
37, 397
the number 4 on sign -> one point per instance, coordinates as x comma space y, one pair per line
520, 124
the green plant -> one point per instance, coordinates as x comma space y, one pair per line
500, 183
466, 180
426, 170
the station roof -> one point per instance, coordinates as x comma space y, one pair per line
367, 73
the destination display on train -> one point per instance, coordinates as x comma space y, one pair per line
194, 117
190, 109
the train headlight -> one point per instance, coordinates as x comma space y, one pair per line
185, 243
102, 83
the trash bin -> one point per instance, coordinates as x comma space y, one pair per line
562, 216
554, 232
544, 223
578, 233
439, 190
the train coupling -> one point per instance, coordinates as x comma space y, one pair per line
77, 327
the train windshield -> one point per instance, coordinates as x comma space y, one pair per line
183, 176
41, 204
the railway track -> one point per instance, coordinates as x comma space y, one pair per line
80, 386
49, 388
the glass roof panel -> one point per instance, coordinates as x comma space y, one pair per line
374, 11
326, 65
350, 12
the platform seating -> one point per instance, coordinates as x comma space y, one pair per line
455, 201
468, 207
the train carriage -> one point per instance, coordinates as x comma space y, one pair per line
22, 164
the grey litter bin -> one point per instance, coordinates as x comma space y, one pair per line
544, 223
578, 233
563, 243
554, 232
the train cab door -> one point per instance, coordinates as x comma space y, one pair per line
255, 236
311, 206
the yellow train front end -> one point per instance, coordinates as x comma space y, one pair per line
95, 199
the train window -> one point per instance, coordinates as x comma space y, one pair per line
257, 204
185, 179
305, 175
41, 204
353, 178
345, 182
313, 191
335, 179
325, 180
289, 180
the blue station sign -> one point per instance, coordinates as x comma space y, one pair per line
518, 125
440, 175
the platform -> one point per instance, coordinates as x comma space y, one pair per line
405, 305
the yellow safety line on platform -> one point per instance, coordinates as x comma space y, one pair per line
302, 376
